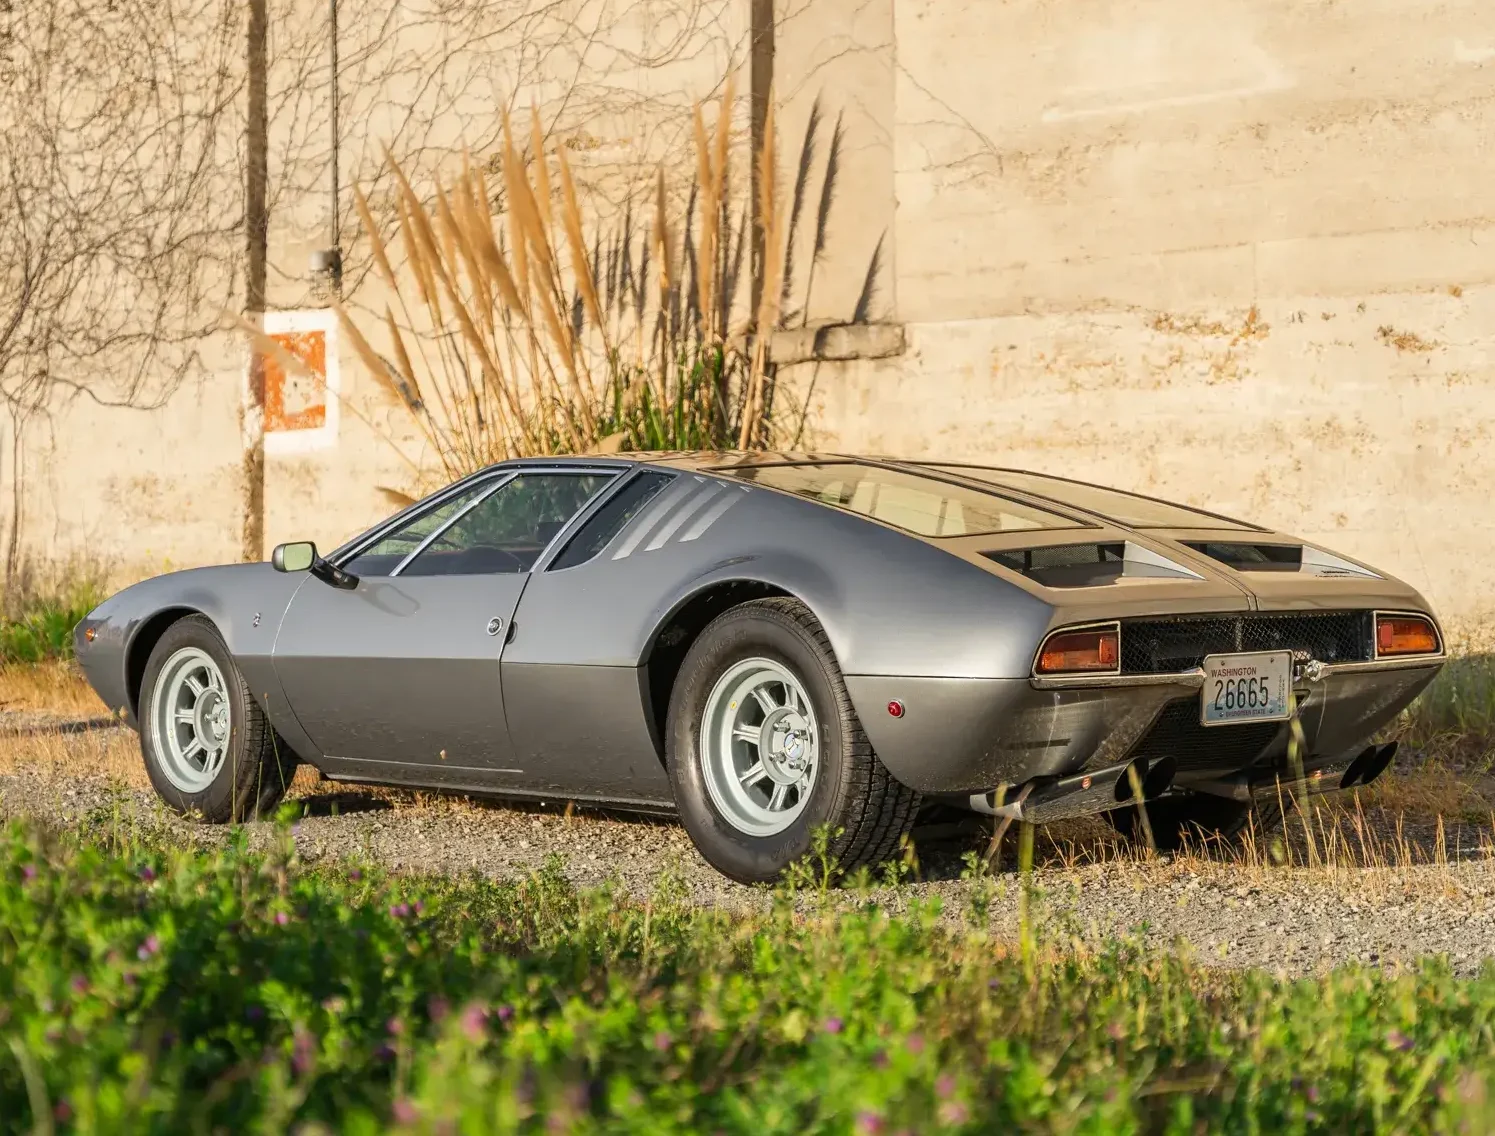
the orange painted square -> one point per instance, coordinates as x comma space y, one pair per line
296, 402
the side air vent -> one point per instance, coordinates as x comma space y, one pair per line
1090, 565
1296, 558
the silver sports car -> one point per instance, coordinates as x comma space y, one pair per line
764, 644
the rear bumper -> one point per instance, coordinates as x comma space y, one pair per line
965, 736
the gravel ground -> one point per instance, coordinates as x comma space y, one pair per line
1290, 919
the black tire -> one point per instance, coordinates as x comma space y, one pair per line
1199, 820
257, 767
866, 810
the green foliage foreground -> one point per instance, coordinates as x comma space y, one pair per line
150, 988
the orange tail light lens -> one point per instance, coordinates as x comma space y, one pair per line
1405, 635
1076, 652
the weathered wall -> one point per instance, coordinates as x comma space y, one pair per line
616, 79
1227, 251
1239, 252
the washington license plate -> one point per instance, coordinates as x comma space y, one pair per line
1246, 688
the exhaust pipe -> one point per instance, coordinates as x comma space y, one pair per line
1369, 764
1081, 794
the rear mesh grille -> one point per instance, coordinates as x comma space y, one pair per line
1161, 646
1178, 734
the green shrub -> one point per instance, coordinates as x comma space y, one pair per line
44, 632
151, 988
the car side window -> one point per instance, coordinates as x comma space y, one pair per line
385, 555
608, 521
507, 531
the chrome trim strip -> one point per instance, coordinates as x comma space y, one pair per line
1192, 679
1395, 663
1195, 678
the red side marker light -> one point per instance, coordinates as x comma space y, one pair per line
895, 708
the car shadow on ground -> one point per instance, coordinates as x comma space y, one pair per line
341, 804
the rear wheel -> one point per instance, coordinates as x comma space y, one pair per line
208, 747
764, 748
1194, 819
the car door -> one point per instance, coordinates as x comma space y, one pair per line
399, 676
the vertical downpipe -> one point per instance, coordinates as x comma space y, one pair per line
336, 230
256, 236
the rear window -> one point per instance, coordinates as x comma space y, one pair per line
923, 505
1130, 509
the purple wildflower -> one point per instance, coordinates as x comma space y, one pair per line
28, 871
399, 910
281, 918
1398, 1040
879, 1060
661, 1041
149, 947
915, 1043
384, 1053
79, 984
419, 907
1312, 1094
945, 1086
147, 873
869, 1123
832, 1025
355, 874
396, 1027
474, 1023
505, 1013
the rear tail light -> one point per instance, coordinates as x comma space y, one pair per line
1092, 650
1405, 635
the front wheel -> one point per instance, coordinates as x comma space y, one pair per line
764, 748
208, 747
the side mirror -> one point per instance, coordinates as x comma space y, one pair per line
298, 556
301, 556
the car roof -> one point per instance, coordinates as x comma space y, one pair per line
1066, 492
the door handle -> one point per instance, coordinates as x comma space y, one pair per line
495, 625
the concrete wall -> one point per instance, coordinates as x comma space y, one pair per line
1237, 252
1232, 252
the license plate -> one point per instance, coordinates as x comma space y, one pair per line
1246, 688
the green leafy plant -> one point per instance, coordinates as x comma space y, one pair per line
145, 986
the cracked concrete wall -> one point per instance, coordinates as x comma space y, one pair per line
1236, 253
